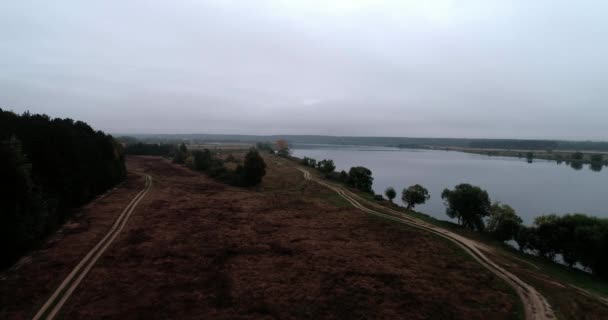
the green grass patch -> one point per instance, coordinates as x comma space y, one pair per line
337, 200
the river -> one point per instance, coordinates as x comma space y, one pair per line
532, 189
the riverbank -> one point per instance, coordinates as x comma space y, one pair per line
595, 158
532, 189
562, 286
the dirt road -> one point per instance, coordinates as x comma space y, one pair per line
52, 306
535, 305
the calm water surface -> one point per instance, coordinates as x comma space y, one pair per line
533, 189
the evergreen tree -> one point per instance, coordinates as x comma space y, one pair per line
253, 169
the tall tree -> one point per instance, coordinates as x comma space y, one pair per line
469, 204
254, 168
503, 222
49, 166
181, 154
415, 195
361, 178
390, 193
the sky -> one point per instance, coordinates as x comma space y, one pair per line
444, 68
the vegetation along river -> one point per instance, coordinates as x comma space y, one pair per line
532, 189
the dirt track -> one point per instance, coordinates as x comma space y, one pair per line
52, 306
535, 305
196, 249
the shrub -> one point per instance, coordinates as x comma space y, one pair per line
390, 193
253, 169
361, 179
326, 166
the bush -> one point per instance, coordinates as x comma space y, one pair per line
253, 169
326, 166
577, 156
309, 162
203, 160
597, 158
390, 193
361, 179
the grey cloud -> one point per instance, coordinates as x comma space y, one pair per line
522, 69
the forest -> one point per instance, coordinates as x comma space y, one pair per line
49, 166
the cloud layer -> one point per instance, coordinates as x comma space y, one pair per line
513, 69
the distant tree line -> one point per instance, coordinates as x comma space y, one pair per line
358, 177
150, 149
250, 173
578, 238
404, 142
48, 167
514, 144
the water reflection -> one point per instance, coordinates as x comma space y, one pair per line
597, 167
576, 165
532, 189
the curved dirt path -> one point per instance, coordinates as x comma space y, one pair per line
535, 305
53, 305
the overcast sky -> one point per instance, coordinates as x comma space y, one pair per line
478, 68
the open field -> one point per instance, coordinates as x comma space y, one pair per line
195, 249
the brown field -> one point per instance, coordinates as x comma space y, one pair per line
289, 249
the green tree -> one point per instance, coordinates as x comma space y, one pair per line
361, 179
469, 204
415, 195
326, 166
309, 162
577, 156
202, 159
390, 193
524, 238
597, 158
530, 156
253, 169
183, 148
503, 222
181, 154
48, 167
22, 211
